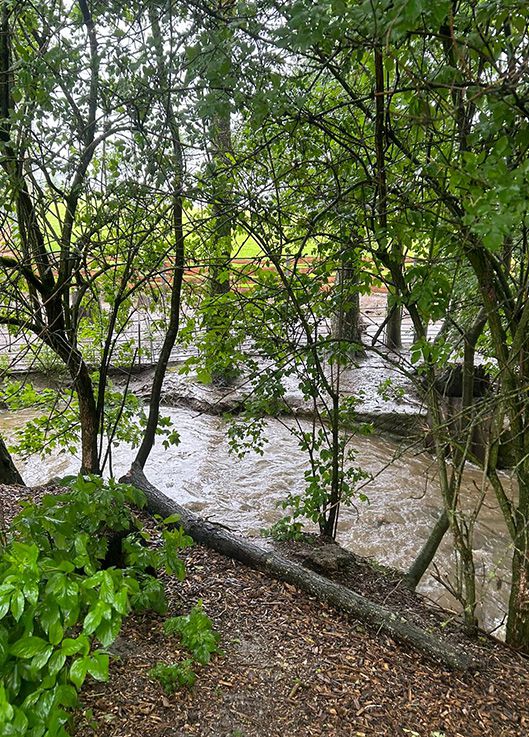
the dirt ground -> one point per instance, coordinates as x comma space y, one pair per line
292, 666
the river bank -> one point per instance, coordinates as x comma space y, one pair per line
292, 666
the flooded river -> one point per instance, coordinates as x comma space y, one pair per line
404, 498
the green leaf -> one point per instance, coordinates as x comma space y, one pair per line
5, 599
98, 666
40, 660
4, 645
55, 632
172, 519
108, 630
121, 602
78, 671
72, 647
67, 696
29, 646
6, 709
93, 620
56, 663
17, 605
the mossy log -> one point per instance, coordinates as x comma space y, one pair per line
374, 615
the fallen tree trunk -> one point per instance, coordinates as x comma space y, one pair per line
376, 616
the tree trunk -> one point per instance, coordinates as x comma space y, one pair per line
89, 426
517, 632
346, 321
394, 313
169, 339
8, 471
171, 332
427, 553
374, 615
394, 327
219, 316
329, 525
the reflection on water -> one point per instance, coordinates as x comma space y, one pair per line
403, 502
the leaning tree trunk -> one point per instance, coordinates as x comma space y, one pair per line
429, 549
378, 617
8, 471
173, 325
427, 553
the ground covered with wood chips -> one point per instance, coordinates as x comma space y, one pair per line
293, 666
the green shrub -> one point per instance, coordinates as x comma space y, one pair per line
196, 633
174, 675
60, 607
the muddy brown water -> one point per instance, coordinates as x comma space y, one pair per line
404, 497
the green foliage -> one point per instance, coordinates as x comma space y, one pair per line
425, 354
196, 633
59, 428
285, 529
60, 607
319, 479
23, 395
217, 335
174, 675
388, 391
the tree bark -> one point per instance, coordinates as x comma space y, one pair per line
376, 616
427, 552
89, 422
8, 471
219, 315
393, 336
517, 631
173, 325
89, 416
346, 321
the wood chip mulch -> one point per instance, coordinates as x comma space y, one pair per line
292, 666
295, 667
